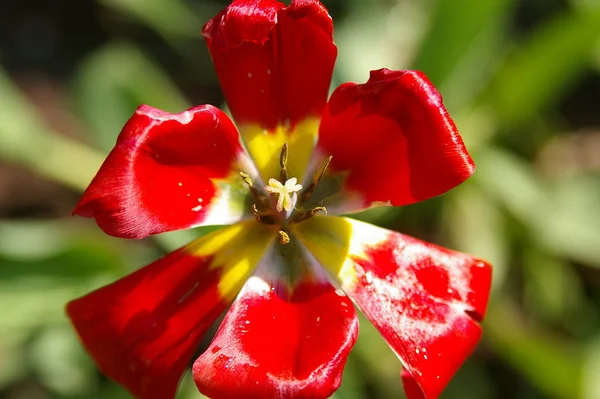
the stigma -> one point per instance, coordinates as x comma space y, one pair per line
287, 193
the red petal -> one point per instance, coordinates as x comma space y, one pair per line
162, 173
142, 330
394, 139
425, 300
274, 62
272, 347
411, 388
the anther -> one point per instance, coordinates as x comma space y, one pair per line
246, 178
318, 209
321, 170
283, 159
319, 173
257, 194
284, 237
309, 213
255, 212
262, 217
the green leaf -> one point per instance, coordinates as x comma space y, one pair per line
591, 371
169, 18
551, 364
552, 289
187, 388
114, 81
377, 362
12, 361
510, 181
58, 359
25, 139
352, 381
462, 46
34, 303
475, 225
568, 223
544, 66
372, 36
60, 251
562, 216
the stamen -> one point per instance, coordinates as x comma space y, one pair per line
288, 193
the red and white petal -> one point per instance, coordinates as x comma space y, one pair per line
274, 62
168, 172
279, 344
143, 329
392, 141
426, 301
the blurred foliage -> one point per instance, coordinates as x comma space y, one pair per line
521, 77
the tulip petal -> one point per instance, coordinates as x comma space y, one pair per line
275, 65
412, 390
392, 141
426, 301
168, 172
277, 343
274, 62
143, 329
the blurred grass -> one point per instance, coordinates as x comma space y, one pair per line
506, 81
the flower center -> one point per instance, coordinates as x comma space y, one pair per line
286, 198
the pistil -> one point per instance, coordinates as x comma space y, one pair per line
288, 193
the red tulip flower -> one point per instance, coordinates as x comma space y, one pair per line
282, 174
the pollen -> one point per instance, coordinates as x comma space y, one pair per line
288, 193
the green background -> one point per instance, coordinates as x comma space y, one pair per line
520, 77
